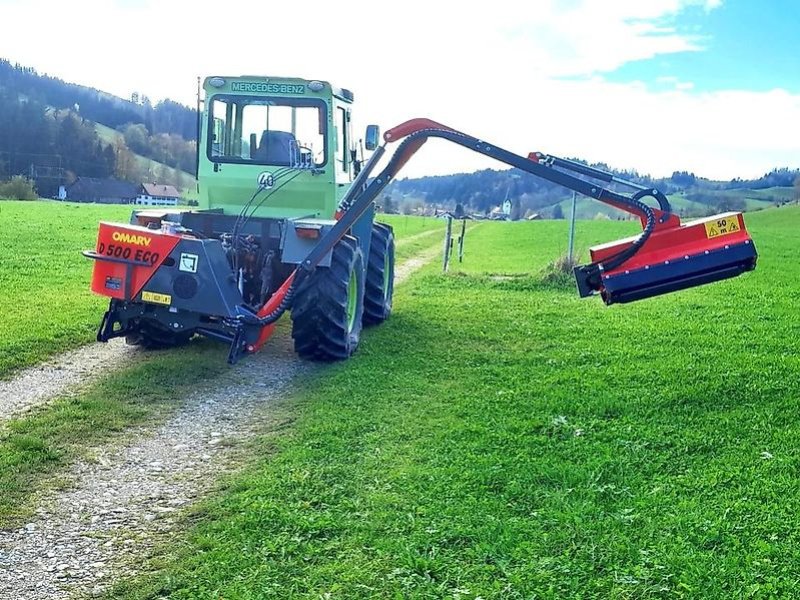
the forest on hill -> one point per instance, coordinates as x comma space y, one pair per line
482, 191
166, 116
49, 132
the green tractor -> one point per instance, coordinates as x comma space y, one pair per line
276, 158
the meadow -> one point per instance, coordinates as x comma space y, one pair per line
46, 307
498, 437
45, 303
501, 438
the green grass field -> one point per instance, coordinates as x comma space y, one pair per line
500, 438
45, 308
405, 226
497, 438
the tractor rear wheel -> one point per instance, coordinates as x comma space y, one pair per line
379, 286
328, 306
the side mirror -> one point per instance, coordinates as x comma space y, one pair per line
373, 137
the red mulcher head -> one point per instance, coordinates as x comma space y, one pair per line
673, 257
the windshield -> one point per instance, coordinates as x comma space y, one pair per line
283, 132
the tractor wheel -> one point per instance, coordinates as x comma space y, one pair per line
156, 338
327, 307
379, 286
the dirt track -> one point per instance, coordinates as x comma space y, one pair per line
128, 498
37, 385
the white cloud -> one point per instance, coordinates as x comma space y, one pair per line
523, 74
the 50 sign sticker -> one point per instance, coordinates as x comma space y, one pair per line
724, 226
127, 253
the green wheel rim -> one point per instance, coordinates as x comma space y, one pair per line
352, 301
386, 275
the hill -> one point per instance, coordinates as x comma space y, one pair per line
52, 131
689, 194
101, 107
146, 168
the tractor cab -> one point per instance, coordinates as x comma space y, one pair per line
290, 137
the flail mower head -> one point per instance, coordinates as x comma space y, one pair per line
673, 257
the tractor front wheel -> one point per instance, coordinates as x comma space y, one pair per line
328, 306
380, 275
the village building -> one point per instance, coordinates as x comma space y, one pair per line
103, 191
157, 194
114, 191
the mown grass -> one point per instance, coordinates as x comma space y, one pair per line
408, 225
414, 234
35, 448
500, 438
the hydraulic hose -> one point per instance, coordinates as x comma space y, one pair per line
284, 305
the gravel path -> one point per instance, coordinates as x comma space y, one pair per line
119, 505
37, 385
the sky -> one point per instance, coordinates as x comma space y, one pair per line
707, 86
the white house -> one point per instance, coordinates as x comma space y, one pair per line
157, 194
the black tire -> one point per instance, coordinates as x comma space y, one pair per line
323, 328
379, 287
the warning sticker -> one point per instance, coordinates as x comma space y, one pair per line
155, 298
724, 226
188, 263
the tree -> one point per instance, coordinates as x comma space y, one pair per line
683, 179
558, 212
136, 138
730, 203
125, 163
389, 207
18, 188
179, 179
797, 188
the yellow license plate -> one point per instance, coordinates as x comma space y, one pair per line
155, 298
